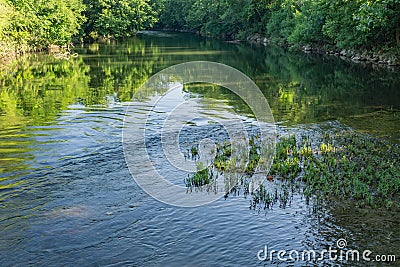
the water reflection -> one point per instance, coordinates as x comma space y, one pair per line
65, 191
300, 88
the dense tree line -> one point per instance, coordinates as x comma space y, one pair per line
27, 24
358, 23
34, 25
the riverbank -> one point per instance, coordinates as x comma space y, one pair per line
389, 57
378, 56
384, 56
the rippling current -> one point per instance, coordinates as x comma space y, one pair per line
78, 204
67, 197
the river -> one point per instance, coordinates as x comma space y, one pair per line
67, 197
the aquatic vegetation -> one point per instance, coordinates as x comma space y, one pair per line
254, 155
286, 161
263, 196
193, 153
203, 176
334, 167
358, 167
224, 163
267, 196
223, 154
326, 148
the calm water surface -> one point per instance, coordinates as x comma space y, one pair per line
67, 197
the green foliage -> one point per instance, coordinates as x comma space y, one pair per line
308, 22
222, 156
347, 24
41, 23
379, 19
359, 169
224, 163
254, 156
339, 23
202, 177
213, 18
35, 25
174, 14
6, 12
118, 18
205, 16
6, 43
286, 160
281, 22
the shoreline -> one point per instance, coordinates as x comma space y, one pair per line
379, 58
376, 58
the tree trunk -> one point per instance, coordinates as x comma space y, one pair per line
398, 36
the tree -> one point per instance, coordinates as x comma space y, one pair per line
118, 18
380, 19
174, 13
309, 19
41, 23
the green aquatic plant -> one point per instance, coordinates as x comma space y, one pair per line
224, 163
286, 163
194, 151
345, 166
305, 151
222, 156
254, 156
326, 148
267, 196
201, 177
261, 195
358, 168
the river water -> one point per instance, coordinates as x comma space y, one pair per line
67, 197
